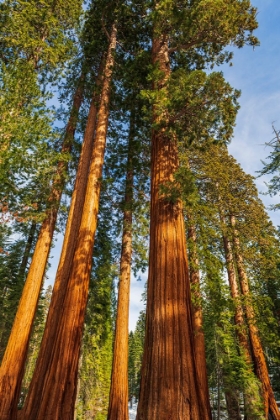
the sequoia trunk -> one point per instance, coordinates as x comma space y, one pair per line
169, 385
34, 396
235, 294
197, 318
12, 368
118, 405
60, 382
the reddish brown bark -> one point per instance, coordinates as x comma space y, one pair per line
240, 324
169, 386
235, 294
5, 327
60, 382
12, 368
118, 402
260, 367
34, 396
197, 319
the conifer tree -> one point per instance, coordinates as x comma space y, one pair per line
56, 402
233, 194
197, 317
16, 351
168, 363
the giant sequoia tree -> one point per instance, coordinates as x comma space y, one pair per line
48, 51
169, 386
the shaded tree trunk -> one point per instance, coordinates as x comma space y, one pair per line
231, 399
27, 250
118, 403
12, 368
235, 294
60, 383
260, 367
169, 385
232, 402
197, 317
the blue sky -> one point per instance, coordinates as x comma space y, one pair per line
256, 72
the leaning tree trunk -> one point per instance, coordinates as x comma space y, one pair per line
235, 294
12, 368
271, 409
118, 402
35, 391
233, 403
27, 250
5, 327
169, 385
60, 383
197, 317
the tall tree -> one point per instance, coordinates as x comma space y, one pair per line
197, 316
169, 387
118, 407
12, 367
59, 401
234, 196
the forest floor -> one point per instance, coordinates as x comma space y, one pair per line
132, 412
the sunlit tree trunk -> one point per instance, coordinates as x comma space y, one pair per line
197, 317
34, 396
169, 385
60, 383
4, 323
260, 367
118, 403
12, 368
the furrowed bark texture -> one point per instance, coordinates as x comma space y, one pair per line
118, 403
169, 386
197, 319
260, 367
35, 391
60, 383
12, 368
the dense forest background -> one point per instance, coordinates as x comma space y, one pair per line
127, 129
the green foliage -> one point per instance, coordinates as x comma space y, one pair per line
221, 185
28, 159
36, 39
136, 347
272, 167
38, 32
202, 28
